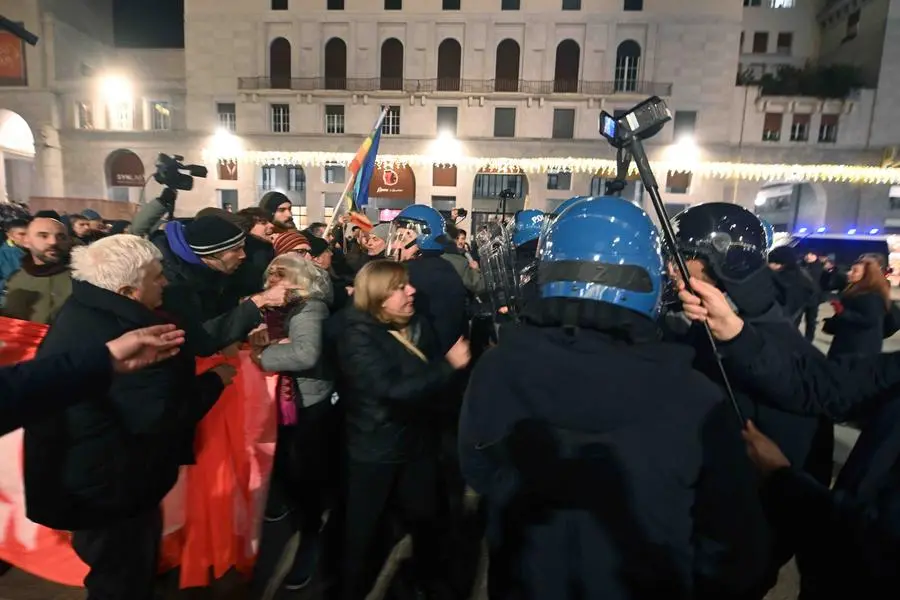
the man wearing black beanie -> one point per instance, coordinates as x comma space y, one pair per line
279, 207
198, 259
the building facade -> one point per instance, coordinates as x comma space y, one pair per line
282, 90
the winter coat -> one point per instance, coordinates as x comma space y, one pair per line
116, 454
609, 466
386, 391
37, 292
304, 356
859, 327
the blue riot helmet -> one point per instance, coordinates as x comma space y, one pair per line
604, 249
551, 216
728, 237
417, 225
526, 226
770, 233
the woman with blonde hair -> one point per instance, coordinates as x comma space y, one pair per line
858, 321
306, 455
392, 374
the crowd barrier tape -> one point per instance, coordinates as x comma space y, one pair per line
213, 515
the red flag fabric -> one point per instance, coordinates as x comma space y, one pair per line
212, 517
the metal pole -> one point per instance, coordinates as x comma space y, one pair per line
649, 179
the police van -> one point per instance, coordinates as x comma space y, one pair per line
842, 249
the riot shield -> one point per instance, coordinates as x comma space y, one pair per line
496, 262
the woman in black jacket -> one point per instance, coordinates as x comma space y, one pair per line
858, 323
392, 375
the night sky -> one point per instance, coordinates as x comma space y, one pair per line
149, 23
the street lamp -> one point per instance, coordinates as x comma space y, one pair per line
116, 88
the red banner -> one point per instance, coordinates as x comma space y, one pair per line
212, 516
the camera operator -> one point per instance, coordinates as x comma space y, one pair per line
198, 259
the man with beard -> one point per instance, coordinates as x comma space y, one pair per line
37, 291
278, 206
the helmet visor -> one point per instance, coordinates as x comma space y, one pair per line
402, 236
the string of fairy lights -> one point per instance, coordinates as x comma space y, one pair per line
759, 172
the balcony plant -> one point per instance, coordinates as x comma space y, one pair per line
830, 81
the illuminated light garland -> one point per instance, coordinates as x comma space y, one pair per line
712, 170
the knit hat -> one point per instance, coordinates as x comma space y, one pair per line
212, 211
381, 231
212, 234
91, 215
286, 242
271, 201
317, 246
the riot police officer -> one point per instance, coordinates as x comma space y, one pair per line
598, 449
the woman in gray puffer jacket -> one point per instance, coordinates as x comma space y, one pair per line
308, 447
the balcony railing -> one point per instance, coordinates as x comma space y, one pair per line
467, 86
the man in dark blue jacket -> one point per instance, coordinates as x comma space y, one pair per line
611, 469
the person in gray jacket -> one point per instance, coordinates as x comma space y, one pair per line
307, 450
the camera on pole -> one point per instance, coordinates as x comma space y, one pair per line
627, 134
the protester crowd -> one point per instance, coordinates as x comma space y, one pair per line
558, 398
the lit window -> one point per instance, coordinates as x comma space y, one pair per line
268, 178
828, 129
781, 3
160, 115
227, 115
772, 127
84, 115
296, 179
800, 128
121, 115
334, 118
334, 173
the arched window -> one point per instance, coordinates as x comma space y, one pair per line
506, 72
568, 59
392, 64
335, 64
280, 64
449, 69
628, 66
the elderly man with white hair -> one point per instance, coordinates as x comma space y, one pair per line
101, 468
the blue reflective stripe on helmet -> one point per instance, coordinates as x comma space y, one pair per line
604, 249
434, 226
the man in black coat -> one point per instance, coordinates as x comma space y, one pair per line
101, 468
197, 260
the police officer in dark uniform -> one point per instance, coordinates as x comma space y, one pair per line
725, 244
603, 457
